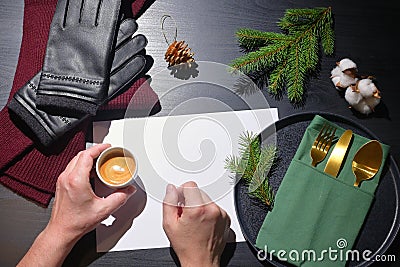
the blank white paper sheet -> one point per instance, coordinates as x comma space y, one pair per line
173, 149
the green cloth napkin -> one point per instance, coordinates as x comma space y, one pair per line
316, 217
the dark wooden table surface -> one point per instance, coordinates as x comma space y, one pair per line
365, 32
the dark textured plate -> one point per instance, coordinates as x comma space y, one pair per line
382, 222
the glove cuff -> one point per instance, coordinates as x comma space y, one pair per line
18, 106
69, 96
65, 106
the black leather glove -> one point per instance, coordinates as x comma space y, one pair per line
127, 65
76, 68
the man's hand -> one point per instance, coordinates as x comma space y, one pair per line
197, 231
76, 211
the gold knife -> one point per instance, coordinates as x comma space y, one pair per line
339, 151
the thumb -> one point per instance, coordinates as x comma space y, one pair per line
118, 198
170, 203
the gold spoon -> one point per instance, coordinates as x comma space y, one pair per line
367, 161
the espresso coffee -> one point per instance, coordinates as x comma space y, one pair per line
116, 167
118, 170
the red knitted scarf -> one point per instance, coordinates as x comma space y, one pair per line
25, 169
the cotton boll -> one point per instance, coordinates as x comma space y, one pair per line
336, 81
346, 80
368, 89
363, 107
362, 95
336, 72
346, 64
335, 77
352, 97
372, 102
350, 72
344, 74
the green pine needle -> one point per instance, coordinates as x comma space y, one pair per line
250, 39
291, 56
252, 165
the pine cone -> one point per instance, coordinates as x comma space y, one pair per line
178, 52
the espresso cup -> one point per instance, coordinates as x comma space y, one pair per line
117, 167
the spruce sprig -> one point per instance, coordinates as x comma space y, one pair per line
288, 57
252, 165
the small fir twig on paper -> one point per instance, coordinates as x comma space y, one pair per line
252, 165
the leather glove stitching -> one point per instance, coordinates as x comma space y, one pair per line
31, 85
71, 79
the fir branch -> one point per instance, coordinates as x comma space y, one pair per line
251, 39
277, 78
252, 165
264, 58
312, 58
301, 20
327, 39
289, 58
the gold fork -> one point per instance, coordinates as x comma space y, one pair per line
322, 144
